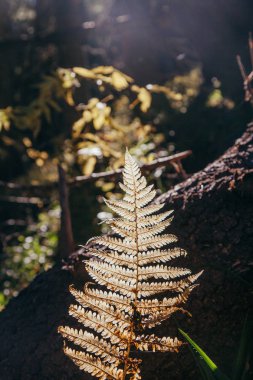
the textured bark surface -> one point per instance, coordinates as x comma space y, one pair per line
214, 221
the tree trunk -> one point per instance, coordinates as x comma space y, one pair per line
214, 221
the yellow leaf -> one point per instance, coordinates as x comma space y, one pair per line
128, 78
92, 103
39, 162
105, 70
33, 153
100, 116
89, 165
160, 89
119, 162
145, 98
8, 141
27, 142
69, 98
91, 136
87, 116
108, 186
119, 81
99, 121
78, 127
135, 88
82, 144
85, 73
5, 118
67, 77
44, 155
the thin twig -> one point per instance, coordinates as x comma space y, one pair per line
251, 49
241, 68
247, 79
79, 180
144, 168
66, 241
24, 200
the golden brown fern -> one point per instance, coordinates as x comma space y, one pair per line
130, 270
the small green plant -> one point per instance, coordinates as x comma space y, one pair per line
241, 371
28, 254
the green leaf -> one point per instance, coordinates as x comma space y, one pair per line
208, 368
244, 352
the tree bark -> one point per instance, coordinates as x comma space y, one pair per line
214, 221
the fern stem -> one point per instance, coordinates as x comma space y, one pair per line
137, 278
128, 352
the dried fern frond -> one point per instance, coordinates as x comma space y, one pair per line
129, 269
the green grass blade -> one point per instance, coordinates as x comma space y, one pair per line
205, 372
245, 351
209, 369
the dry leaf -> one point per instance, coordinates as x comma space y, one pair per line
105, 70
119, 81
69, 98
78, 127
98, 119
92, 103
145, 98
89, 166
85, 73
87, 116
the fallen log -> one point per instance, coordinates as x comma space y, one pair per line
214, 221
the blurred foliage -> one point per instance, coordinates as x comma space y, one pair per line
116, 114
216, 97
5, 118
108, 125
121, 113
117, 117
28, 254
85, 116
51, 90
184, 88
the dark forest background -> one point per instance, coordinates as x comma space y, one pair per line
189, 46
81, 80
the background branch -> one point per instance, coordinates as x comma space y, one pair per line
66, 241
79, 180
